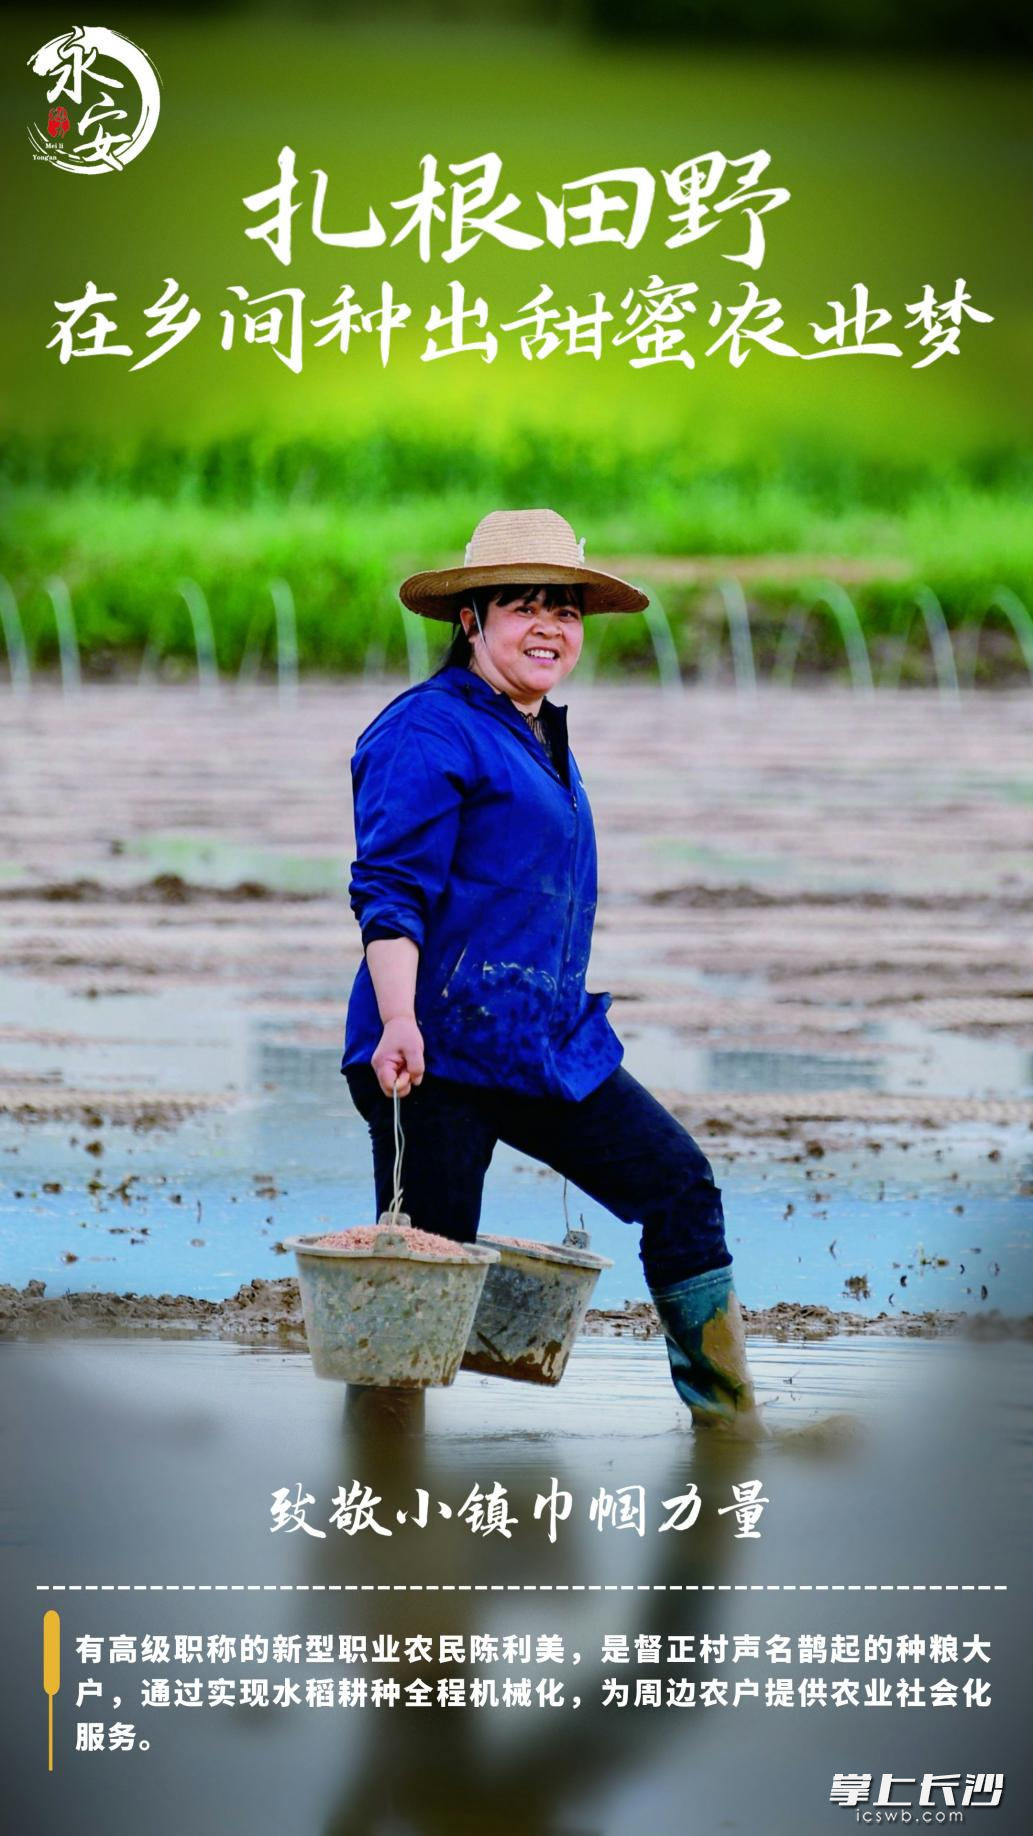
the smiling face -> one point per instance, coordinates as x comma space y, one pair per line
532, 639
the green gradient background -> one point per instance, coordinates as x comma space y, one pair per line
900, 173
226, 467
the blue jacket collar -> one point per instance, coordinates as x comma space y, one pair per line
460, 680
473, 689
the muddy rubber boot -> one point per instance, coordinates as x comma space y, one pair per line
706, 1346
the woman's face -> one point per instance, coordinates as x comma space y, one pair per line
532, 639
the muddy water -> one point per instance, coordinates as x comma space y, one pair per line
172, 1455
814, 916
203, 1209
852, 1214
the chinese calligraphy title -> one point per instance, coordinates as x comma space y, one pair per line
650, 321
489, 1513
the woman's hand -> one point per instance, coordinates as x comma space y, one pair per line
398, 1058
392, 964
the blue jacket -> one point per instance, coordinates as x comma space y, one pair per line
470, 842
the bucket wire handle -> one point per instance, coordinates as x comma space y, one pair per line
574, 1239
396, 1201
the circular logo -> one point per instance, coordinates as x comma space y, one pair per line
100, 102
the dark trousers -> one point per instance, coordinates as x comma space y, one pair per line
618, 1144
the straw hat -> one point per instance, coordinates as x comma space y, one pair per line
527, 548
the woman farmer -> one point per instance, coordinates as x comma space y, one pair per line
475, 887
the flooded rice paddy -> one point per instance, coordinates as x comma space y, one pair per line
814, 916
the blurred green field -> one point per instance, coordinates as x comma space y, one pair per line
343, 523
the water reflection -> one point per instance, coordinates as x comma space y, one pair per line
136, 1464
524, 1768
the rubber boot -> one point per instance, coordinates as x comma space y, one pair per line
706, 1346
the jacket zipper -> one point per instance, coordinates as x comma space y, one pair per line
546, 762
545, 759
570, 901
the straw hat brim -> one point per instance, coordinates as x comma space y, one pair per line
436, 594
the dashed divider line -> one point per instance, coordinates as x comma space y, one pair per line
520, 1587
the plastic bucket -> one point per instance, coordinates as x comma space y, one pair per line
390, 1315
531, 1310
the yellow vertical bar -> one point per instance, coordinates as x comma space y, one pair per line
51, 1674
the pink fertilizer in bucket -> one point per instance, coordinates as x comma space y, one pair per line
367, 1237
386, 1306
